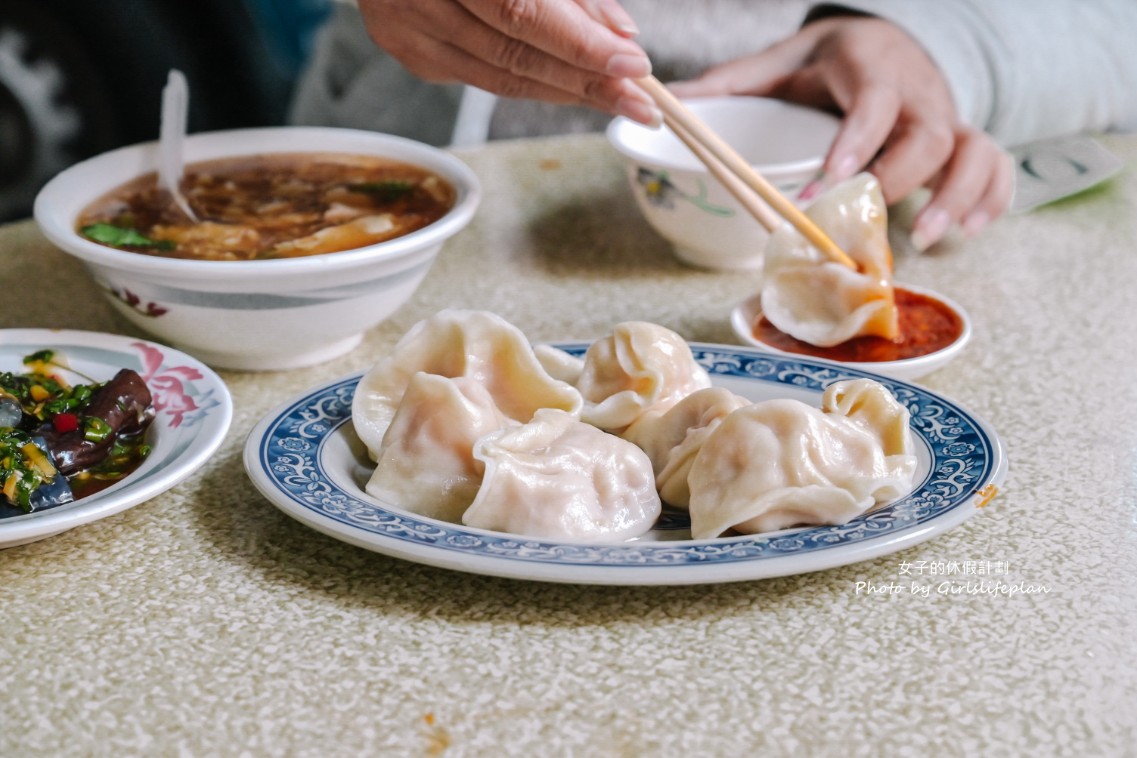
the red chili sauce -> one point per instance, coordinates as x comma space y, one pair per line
926, 325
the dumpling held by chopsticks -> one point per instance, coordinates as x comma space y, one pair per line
816, 300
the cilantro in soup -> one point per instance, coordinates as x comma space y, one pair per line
282, 205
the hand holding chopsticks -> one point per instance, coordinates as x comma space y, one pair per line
760, 198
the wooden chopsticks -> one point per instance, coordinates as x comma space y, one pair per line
760, 198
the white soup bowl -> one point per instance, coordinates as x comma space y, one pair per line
259, 314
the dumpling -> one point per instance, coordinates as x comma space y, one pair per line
870, 405
640, 366
558, 478
426, 463
560, 364
782, 463
816, 300
476, 344
672, 438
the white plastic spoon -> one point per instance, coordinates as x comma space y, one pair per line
175, 108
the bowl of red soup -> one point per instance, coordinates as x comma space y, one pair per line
933, 330
297, 241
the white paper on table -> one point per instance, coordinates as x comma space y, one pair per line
1052, 169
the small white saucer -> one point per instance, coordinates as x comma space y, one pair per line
193, 411
746, 313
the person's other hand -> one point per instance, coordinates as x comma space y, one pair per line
574, 52
899, 121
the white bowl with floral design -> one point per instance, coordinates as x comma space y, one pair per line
679, 197
257, 314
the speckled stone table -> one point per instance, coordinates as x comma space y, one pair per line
206, 622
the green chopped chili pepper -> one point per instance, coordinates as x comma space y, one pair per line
95, 429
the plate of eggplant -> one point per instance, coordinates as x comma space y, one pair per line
92, 424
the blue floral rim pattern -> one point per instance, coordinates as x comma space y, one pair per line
965, 459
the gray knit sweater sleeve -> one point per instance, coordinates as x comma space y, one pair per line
1026, 69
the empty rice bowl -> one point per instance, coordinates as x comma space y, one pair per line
679, 197
257, 314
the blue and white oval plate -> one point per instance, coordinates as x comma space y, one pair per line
305, 458
193, 405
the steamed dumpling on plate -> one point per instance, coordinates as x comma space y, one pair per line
672, 438
640, 366
816, 300
781, 463
560, 364
558, 478
426, 463
479, 345
871, 406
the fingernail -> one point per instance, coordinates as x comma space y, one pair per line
930, 228
618, 19
637, 110
812, 188
974, 223
627, 65
845, 167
